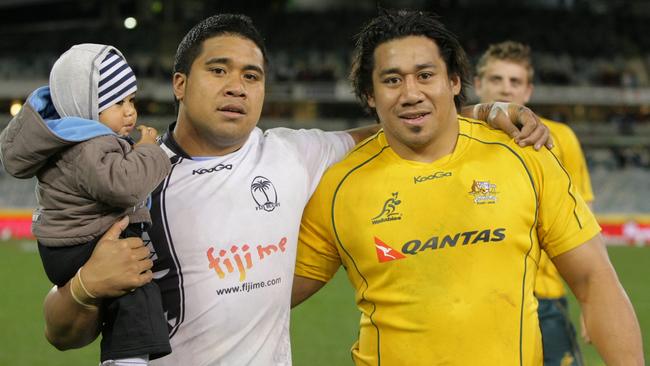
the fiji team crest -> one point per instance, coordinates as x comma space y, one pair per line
264, 194
484, 192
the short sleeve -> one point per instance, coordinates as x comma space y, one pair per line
575, 164
317, 149
318, 257
565, 220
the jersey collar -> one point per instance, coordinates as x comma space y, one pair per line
169, 141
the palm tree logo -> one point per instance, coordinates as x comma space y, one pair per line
268, 199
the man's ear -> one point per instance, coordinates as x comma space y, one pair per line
529, 93
179, 81
371, 101
477, 85
455, 84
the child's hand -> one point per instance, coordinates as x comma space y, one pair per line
148, 135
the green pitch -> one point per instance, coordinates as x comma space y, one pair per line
323, 328
24, 287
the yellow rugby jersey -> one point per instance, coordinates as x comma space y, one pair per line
549, 284
443, 255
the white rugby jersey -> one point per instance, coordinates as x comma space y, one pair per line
225, 232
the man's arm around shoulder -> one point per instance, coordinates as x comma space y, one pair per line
532, 131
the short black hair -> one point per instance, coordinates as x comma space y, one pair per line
192, 44
396, 24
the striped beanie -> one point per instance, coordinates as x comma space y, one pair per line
116, 81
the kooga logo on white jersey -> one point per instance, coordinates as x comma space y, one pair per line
217, 168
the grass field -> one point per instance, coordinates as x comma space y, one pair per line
323, 328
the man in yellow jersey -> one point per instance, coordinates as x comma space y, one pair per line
504, 73
440, 221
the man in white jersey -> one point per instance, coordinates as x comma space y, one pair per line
226, 219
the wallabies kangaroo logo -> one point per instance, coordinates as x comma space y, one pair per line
388, 212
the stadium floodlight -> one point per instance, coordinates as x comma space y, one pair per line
130, 23
15, 108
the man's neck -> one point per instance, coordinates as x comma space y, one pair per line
441, 145
195, 143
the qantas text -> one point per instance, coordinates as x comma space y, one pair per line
451, 240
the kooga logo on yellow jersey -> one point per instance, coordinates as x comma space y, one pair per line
465, 238
436, 175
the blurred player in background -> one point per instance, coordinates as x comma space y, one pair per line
504, 73
440, 221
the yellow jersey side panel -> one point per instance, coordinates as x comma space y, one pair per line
549, 284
